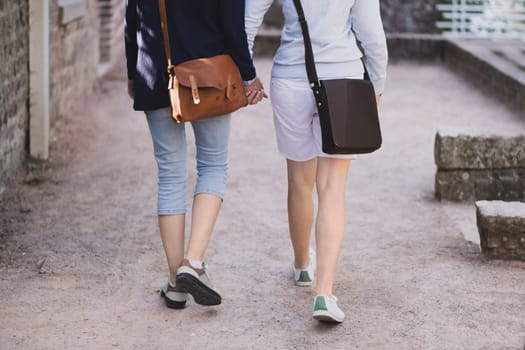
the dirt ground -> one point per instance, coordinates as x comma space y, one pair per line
81, 260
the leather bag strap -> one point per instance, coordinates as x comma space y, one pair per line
308, 51
165, 35
311, 71
173, 83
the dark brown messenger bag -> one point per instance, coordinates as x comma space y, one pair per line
204, 87
347, 107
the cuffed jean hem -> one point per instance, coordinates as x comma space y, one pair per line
213, 193
171, 212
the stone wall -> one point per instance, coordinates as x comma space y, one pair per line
416, 47
111, 14
399, 16
14, 85
74, 58
478, 167
409, 16
493, 66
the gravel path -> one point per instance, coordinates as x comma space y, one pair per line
81, 260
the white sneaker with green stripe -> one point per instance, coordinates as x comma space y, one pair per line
326, 310
305, 277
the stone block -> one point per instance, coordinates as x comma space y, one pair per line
459, 151
501, 227
418, 47
465, 185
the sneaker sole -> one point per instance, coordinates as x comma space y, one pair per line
325, 316
201, 293
172, 304
303, 284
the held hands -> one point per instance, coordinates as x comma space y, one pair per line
255, 92
378, 99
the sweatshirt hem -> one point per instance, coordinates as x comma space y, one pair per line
324, 70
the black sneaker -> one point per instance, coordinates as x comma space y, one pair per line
197, 283
175, 297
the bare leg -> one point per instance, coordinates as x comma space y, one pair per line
205, 211
172, 234
301, 180
330, 226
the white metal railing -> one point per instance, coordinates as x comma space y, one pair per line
483, 18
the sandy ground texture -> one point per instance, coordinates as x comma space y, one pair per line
81, 261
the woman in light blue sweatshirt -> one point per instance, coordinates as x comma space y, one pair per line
335, 27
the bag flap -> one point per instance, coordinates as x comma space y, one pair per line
352, 106
208, 72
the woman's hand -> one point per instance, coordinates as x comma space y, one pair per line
378, 99
255, 92
131, 89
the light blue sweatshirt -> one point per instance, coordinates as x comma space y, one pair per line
332, 24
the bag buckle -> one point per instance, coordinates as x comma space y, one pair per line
229, 88
194, 90
171, 76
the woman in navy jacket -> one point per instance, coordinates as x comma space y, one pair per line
197, 29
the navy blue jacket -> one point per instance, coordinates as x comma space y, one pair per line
197, 29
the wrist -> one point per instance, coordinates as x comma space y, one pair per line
249, 82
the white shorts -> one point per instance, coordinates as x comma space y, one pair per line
296, 120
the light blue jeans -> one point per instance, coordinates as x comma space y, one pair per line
169, 145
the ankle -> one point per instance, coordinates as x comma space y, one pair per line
196, 263
301, 264
304, 261
326, 291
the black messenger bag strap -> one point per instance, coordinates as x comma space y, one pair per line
308, 50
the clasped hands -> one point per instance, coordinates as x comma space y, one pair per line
255, 92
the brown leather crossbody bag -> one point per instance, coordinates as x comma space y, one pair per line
204, 87
347, 107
